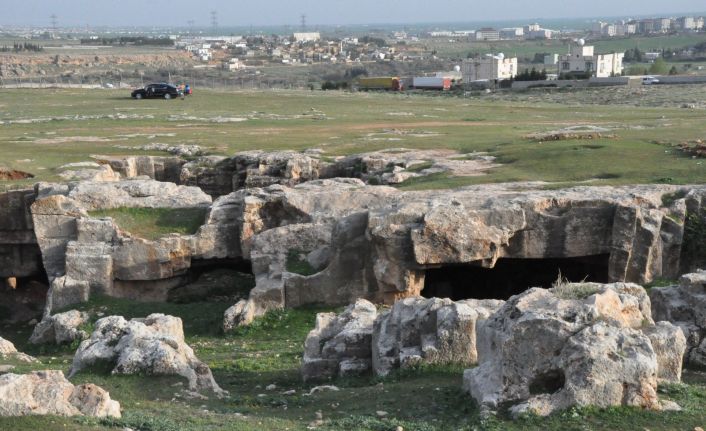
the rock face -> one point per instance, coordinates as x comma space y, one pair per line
340, 345
685, 306
154, 345
415, 331
577, 344
19, 253
419, 330
60, 328
49, 393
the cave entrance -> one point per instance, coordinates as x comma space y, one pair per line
214, 280
511, 276
22, 298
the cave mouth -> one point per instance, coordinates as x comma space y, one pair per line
511, 276
23, 298
214, 280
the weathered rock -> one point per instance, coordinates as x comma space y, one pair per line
685, 306
97, 174
49, 393
154, 345
66, 291
669, 344
8, 350
137, 194
60, 328
19, 253
419, 330
340, 345
576, 344
157, 168
414, 331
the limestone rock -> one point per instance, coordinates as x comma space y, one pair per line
60, 328
669, 344
546, 350
66, 291
154, 345
137, 193
49, 393
8, 350
685, 306
340, 345
419, 330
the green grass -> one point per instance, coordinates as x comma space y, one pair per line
495, 123
153, 223
269, 352
297, 263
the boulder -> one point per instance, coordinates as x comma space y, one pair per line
420, 330
573, 345
60, 328
137, 194
685, 306
153, 345
669, 343
8, 351
340, 345
66, 291
49, 393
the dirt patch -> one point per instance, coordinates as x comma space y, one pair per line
68, 139
13, 175
695, 148
573, 133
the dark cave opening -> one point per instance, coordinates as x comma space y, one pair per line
511, 276
22, 298
215, 280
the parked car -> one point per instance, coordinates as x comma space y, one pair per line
162, 91
649, 80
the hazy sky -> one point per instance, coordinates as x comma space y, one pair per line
283, 12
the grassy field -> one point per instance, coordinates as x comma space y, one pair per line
269, 352
153, 223
527, 48
44, 129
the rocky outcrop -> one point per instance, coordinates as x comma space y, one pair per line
60, 328
428, 331
49, 393
167, 169
414, 331
340, 345
685, 306
153, 345
19, 253
573, 345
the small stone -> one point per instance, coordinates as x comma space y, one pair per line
289, 392
381, 413
271, 387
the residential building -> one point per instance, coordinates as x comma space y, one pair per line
582, 60
551, 60
488, 34
686, 23
494, 68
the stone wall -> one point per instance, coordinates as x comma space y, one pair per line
19, 253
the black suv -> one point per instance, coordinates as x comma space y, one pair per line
163, 91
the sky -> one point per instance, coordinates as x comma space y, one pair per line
174, 13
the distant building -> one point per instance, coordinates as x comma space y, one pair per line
494, 68
551, 60
581, 60
307, 37
233, 64
512, 33
487, 34
686, 23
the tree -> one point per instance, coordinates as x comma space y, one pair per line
673, 71
659, 67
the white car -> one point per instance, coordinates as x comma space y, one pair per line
649, 80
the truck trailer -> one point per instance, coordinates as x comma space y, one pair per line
388, 83
431, 83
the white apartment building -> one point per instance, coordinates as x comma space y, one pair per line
494, 68
581, 60
307, 37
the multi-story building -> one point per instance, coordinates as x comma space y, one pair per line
582, 61
493, 68
512, 33
307, 37
488, 34
686, 23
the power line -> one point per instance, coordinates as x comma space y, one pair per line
214, 19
